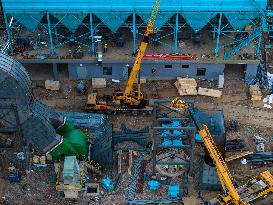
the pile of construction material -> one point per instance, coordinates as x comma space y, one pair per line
188, 86
52, 85
255, 93
39, 160
268, 100
209, 92
98, 82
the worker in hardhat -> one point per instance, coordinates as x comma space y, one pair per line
11, 168
70, 53
105, 47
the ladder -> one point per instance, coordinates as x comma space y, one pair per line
270, 29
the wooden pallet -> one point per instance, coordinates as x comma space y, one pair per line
238, 156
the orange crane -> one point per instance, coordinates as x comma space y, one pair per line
129, 100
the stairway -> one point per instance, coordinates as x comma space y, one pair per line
134, 178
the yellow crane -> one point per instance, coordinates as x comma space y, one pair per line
256, 187
130, 96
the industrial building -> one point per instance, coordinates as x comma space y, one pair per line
136, 102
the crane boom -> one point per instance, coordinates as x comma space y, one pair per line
129, 96
224, 174
136, 67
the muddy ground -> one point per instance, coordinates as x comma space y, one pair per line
253, 119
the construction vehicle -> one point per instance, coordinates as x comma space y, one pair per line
130, 98
101, 103
255, 188
13, 173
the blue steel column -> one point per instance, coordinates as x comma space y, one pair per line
214, 33
50, 35
259, 44
92, 51
134, 32
218, 35
264, 23
9, 32
56, 35
176, 34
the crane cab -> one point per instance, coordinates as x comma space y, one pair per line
96, 102
134, 99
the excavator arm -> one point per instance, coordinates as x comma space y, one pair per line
129, 96
224, 174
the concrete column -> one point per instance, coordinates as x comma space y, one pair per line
55, 71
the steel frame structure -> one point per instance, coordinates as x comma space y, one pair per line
9, 119
256, 14
9, 123
185, 132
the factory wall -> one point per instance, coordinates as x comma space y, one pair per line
250, 71
163, 70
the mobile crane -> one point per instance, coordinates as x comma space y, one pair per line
131, 98
255, 188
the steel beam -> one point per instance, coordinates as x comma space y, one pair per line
173, 163
9, 32
56, 35
134, 33
7, 130
176, 34
172, 119
173, 136
174, 128
154, 147
174, 146
92, 51
218, 35
50, 35
259, 44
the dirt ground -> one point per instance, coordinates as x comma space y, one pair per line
253, 119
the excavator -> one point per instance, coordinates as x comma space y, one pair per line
255, 188
130, 98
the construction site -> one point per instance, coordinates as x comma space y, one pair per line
117, 102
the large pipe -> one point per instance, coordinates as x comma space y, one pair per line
6, 47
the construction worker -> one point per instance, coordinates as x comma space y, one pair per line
153, 71
105, 48
70, 53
